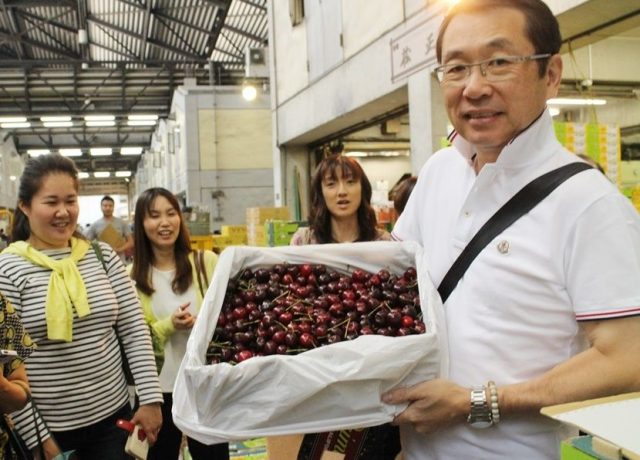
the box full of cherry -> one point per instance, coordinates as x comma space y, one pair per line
304, 339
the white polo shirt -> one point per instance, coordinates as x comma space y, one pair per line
515, 313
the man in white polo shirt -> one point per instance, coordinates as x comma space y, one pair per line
549, 310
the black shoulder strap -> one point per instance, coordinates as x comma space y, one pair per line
201, 274
98, 250
520, 204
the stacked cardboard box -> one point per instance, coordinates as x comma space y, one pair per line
201, 242
256, 217
220, 242
279, 232
236, 233
197, 222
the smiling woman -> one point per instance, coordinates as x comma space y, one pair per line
168, 277
77, 310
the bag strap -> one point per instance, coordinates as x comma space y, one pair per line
98, 250
521, 203
201, 274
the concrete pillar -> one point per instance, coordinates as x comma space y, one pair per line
427, 117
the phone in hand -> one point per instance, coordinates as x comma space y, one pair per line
137, 445
7, 355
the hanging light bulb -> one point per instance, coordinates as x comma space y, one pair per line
249, 91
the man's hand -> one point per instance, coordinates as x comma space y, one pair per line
432, 405
149, 417
182, 318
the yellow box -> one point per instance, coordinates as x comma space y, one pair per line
237, 233
202, 242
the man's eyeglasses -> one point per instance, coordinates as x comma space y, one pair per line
495, 69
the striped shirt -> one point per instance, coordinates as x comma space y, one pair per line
79, 383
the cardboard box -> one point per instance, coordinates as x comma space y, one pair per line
279, 232
260, 215
220, 241
198, 228
202, 242
614, 423
237, 233
577, 448
286, 448
256, 235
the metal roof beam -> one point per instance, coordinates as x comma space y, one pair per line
243, 33
218, 23
157, 43
222, 4
145, 30
255, 5
26, 41
15, 32
51, 21
37, 3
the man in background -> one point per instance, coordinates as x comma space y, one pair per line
110, 229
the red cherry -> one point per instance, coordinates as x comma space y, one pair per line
407, 321
307, 340
279, 337
244, 355
306, 270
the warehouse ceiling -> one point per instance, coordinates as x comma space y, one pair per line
116, 59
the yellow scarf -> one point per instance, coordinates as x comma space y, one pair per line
66, 287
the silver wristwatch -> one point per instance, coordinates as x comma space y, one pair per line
480, 412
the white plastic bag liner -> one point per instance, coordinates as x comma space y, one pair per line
328, 388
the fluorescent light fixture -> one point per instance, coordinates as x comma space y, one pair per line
54, 119
249, 92
100, 123
13, 119
57, 124
16, 125
553, 111
83, 175
71, 152
13, 178
123, 173
131, 151
38, 152
99, 118
100, 152
141, 122
101, 174
379, 153
143, 117
575, 101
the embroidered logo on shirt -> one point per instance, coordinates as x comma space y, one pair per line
503, 247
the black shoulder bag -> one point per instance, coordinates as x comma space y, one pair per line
521, 203
128, 375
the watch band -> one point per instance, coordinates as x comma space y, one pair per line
479, 411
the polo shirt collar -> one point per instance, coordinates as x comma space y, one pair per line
532, 145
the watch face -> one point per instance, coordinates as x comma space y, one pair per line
481, 424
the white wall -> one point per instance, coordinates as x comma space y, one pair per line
222, 162
11, 169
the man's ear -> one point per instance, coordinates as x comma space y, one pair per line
553, 75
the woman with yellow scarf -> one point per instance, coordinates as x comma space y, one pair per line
80, 309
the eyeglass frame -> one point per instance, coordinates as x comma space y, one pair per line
483, 66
